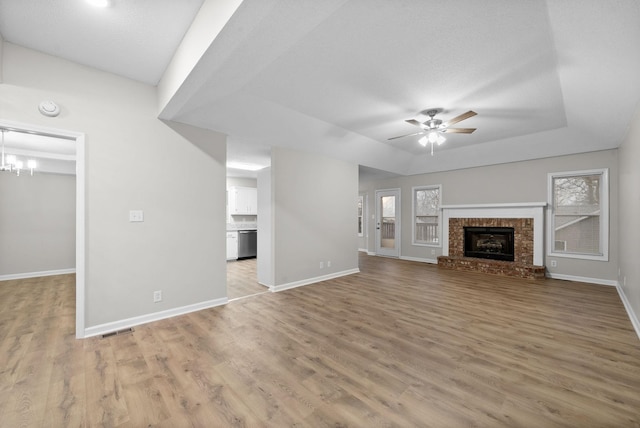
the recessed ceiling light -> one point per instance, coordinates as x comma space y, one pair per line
99, 3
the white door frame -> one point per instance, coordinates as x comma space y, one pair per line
383, 251
365, 232
365, 222
80, 208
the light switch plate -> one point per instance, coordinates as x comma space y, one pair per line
136, 215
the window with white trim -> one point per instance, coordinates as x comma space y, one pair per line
426, 215
360, 215
579, 214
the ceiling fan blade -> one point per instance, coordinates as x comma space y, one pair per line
414, 122
407, 135
460, 118
459, 130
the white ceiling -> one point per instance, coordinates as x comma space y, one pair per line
339, 77
132, 38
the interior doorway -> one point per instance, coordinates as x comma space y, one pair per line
242, 235
388, 227
40, 132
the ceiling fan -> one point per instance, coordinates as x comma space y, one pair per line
434, 128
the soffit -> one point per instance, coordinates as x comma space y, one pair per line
340, 78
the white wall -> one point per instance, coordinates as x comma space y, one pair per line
175, 173
265, 229
629, 213
512, 182
37, 223
241, 182
314, 204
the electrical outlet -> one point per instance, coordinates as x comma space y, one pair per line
329, 263
157, 296
321, 265
554, 263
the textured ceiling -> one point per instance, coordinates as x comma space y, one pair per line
366, 78
340, 77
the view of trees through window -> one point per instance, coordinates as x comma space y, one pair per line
388, 226
426, 205
577, 210
577, 191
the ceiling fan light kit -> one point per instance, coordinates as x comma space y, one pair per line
432, 138
432, 128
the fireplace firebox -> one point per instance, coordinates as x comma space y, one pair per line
489, 243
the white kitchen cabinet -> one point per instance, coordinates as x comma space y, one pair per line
243, 201
232, 245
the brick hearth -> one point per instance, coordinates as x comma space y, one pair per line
522, 266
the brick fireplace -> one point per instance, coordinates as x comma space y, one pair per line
527, 221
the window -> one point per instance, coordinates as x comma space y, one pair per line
426, 215
579, 214
360, 215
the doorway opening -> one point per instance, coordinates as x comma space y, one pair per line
242, 235
32, 136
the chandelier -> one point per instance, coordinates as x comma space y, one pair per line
13, 164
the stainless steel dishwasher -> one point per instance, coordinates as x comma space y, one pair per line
247, 243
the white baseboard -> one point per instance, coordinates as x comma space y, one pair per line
419, 259
371, 253
37, 274
308, 281
627, 305
363, 250
144, 319
599, 281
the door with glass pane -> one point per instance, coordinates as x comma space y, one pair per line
388, 222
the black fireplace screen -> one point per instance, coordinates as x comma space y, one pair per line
489, 243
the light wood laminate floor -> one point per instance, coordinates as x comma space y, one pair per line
242, 279
400, 344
